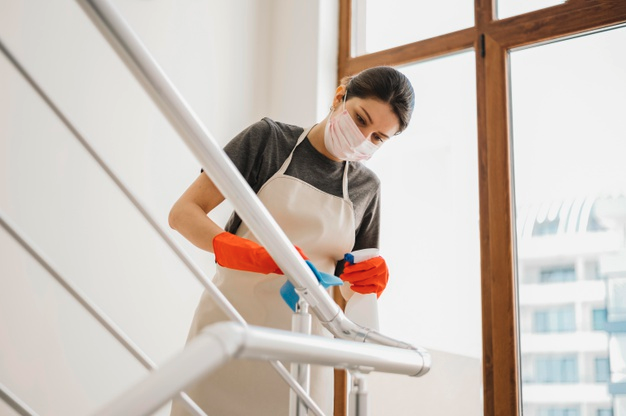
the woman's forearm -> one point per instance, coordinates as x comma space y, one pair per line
189, 217
194, 224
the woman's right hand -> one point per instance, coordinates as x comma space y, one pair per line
239, 253
369, 276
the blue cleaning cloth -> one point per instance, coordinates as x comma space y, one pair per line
288, 291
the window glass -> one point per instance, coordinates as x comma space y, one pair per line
555, 320
557, 274
599, 319
508, 8
568, 129
430, 239
559, 411
602, 370
556, 370
383, 24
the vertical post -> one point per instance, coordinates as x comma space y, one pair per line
300, 323
358, 395
341, 376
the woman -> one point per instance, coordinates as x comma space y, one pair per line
325, 201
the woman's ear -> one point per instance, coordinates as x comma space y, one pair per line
339, 93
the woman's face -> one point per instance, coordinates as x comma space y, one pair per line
374, 118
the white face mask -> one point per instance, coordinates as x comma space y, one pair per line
344, 140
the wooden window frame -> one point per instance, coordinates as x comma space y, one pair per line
492, 39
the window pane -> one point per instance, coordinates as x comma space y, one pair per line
599, 319
508, 8
558, 411
568, 101
556, 370
430, 216
555, 319
383, 24
602, 370
557, 274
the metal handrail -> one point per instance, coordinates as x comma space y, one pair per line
227, 341
93, 310
16, 404
224, 174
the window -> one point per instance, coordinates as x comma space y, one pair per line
508, 8
604, 412
441, 147
561, 319
603, 371
595, 224
546, 227
382, 24
599, 319
556, 370
559, 411
499, 123
595, 272
558, 274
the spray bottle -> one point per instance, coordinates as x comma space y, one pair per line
362, 309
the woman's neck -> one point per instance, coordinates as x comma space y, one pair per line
316, 137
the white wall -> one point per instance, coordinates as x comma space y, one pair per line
234, 62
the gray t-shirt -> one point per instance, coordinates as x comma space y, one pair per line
261, 149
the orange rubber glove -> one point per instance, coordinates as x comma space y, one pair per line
369, 276
240, 253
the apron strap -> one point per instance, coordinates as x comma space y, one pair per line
285, 165
346, 196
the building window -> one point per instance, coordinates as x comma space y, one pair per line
603, 372
558, 274
599, 319
555, 320
546, 227
559, 411
604, 412
556, 370
597, 275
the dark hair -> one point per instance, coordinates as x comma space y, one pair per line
386, 84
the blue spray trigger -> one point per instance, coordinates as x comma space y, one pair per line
289, 295
358, 256
288, 291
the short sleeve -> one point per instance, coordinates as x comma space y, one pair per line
247, 152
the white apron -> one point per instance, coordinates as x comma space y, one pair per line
322, 225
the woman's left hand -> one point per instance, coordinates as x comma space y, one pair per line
369, 276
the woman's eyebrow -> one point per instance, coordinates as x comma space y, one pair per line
370, 121
367, 114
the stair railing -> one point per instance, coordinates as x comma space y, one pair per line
390, 355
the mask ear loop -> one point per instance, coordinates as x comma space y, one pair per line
332, 107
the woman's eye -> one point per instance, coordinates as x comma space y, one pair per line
360, 119
377, 138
